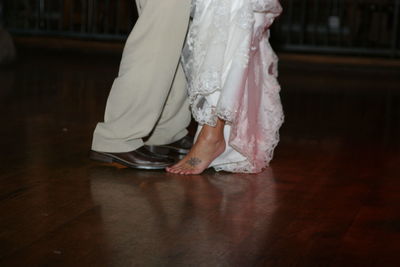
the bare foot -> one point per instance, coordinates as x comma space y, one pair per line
209, 145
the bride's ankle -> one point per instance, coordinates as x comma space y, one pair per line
212, 138
213, 134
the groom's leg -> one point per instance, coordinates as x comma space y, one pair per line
176, 115
148, 67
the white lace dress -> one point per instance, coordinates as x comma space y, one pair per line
232, 74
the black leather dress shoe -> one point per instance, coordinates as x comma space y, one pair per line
140, 158
182, 146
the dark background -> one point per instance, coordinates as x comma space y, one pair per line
356, 27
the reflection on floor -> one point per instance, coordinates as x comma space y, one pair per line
330, 198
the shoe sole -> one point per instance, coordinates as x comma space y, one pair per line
108, 158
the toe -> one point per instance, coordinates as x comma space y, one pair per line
184, 171
172, 170
178, 170
188, 171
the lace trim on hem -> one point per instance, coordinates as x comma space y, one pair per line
212, 120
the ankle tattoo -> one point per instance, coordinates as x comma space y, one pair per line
194, 162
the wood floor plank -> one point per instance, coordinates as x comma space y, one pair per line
330, 198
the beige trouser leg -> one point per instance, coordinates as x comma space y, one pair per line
149, 95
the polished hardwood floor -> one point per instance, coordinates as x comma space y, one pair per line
330, 198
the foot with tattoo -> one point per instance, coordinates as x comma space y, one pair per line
209, 145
